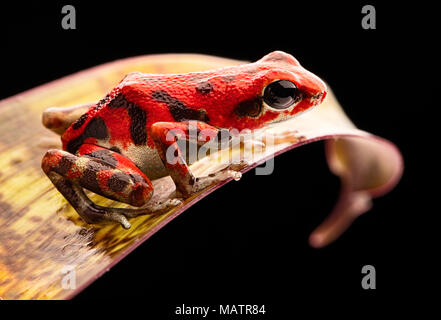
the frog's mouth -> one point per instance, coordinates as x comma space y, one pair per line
314, 101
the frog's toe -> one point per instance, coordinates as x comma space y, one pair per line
121, 214
226, 174
236, 175
171, 203
117, 217
165, 205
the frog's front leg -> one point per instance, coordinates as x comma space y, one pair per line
166, 135
106, 173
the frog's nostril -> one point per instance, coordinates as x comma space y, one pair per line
317, 98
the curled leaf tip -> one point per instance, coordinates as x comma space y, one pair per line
350, 206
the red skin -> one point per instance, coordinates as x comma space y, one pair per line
143, 108
248, 82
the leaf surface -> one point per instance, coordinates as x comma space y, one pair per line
42, 238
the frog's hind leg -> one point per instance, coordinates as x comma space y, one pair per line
106, 173
59, 119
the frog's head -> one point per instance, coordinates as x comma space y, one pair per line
289, 88
273, 89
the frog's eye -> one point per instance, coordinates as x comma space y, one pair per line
281, 94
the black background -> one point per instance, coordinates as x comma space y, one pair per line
225, 249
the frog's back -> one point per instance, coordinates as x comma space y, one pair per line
121, 120
109, 123
123, 117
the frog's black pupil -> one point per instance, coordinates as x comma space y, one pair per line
281, 94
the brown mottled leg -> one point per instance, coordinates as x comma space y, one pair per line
106, 173
89, 212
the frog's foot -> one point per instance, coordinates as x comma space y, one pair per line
151, 208
106, 173
230, 172
286, 136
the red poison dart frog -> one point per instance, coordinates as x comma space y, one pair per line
120, 143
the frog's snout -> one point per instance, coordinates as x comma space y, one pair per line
318, 98
313, 87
